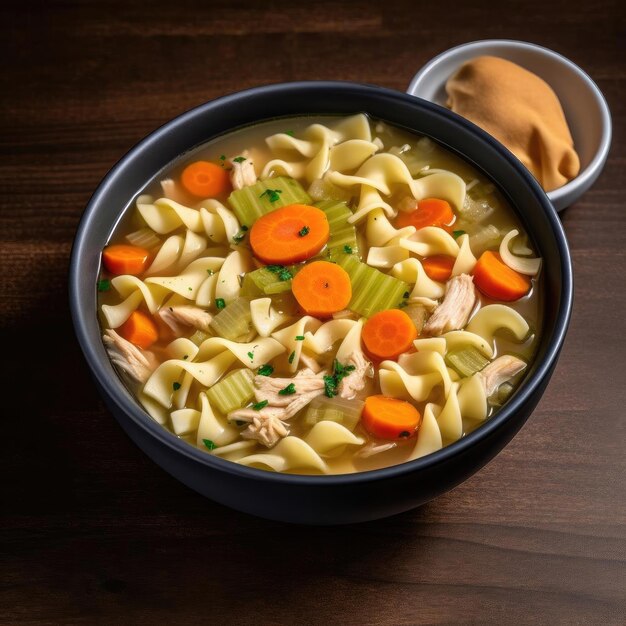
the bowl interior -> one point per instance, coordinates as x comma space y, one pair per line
230, 112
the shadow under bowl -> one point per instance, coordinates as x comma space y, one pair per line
338, 498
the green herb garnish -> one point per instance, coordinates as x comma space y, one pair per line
265, 370
299, 337
292, 356
290, 133
406, 294
289, 390
239, 159
210, 272
402, 304
219, 303
209, 444
282, 272
347, 249
257, 406
272, 194
331, 383
104, 284
239, 237
223, 157
458, 233
251, 356
176, 386
304, 231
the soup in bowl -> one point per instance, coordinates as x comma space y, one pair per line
341, 295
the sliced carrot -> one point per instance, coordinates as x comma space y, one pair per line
205, 180
390, 418
429, 212
290, 234
322, 288
497, 280
439, 267
125, 259
387, 334
139, 329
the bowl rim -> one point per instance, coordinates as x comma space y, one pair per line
114, 389
588, 174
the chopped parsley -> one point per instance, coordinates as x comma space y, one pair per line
290, 133
331, 383
458, 233
273, 195
223, 157
176, 386
292, 356
265, 370
257, 406
282, 272
240, 236
299, 337
251, 356
304, 231
219, 303
402, 304
239, 159
210, 272
289, 390
347, 249
406, 294
104, 284
209, 444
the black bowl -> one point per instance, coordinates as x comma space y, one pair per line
321, 499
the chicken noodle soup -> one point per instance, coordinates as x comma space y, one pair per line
320, 295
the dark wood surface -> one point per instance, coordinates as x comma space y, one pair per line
94, 532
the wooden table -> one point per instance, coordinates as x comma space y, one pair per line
94, 532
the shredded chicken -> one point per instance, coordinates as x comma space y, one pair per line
373, 448
268, 424
177, 317
137, 363
454, 311
243, 174
355, 380
305, 382
499, 371
265, 425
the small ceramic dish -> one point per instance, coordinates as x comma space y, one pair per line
584, 105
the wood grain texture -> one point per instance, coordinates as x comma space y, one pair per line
94, 532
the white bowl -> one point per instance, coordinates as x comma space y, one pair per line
584, 105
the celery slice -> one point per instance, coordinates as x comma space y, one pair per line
342, 238
235, 321
199, 336
266, 282
466, 361
233, 392
345, 412
372, 291
252, 202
